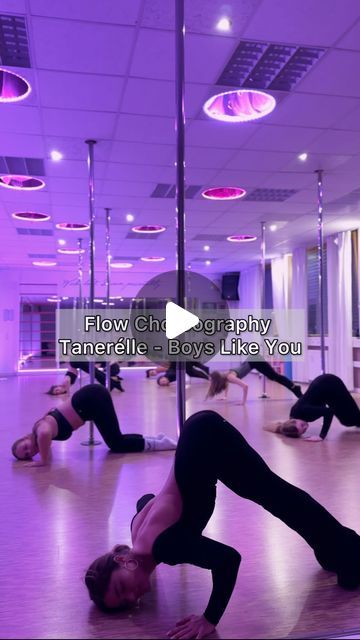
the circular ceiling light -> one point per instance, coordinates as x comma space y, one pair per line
149, 228
71, 252
72, 226
121, 265
21, 183
44, 263
239, 106
13, 87
130, 217
153, 259
242, 238
31, 216
223, 193
56, 156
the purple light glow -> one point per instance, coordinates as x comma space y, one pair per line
72, 226
13, 87
223, 193
71, 252
239, 106
153, 259
44, 263
121, 265
147, 228
242, 238
31, 216
21, 183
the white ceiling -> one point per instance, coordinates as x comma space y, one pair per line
104, 69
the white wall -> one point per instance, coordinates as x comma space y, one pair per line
9, 321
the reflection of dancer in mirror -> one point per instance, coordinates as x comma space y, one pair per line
193, 369
72, 373
325, 398
168, 527
92, 402
220, 381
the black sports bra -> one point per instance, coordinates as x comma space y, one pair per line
65, 429
141, 503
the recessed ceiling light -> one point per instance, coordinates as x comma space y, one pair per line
273, 227
223, 193
206, 247
72, 226
241, 238
121, 265
224, 24
153, 259
54, 299
208, 263
71, 252
148, 228
21, 183
31, 216
130, 217
61, 242
44, 263
303, 157
239, 106
65, 297
56, 155
13, 87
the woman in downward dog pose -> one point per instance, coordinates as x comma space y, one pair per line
325, 398
72, 374
92, 402
168, 527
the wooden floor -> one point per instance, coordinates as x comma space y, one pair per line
56, 521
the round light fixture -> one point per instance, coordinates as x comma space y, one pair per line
224, 24
31, 216
121, 265
153, 259
149, 228
303, 157
241, 238
71, 252
273, 227
13, 87
72, 226
130, 217
223, 193
208, 263
44, 263
21, 183
56, 156
242, 105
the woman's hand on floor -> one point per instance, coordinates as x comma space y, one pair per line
36, 463
191, 627
313, 439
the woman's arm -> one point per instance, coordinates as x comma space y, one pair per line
311, 412
44, 435
232, 377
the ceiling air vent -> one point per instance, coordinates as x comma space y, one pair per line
14, 45
263, 65
21, 166
34, 232
169, 190
269, 195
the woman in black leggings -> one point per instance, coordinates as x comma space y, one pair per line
168, 527
92, 402
193, 369
325, 398
72, 373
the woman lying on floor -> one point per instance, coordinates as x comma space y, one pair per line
168, 527
92, 402
325, 398
72, 373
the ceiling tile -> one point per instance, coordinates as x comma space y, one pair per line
22, 145
79, 91
339, 142
16, 118
352, 39
199, 157
137, 128
256, 161
137, 153
155, 97
334, 75
94, 11
84, 124
307, 110
211, 133
272, 137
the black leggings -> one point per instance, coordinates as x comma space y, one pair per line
211, 449
100, 376
329, 390
94, 402
193, 369
266, 369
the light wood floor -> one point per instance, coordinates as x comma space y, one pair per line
55, 521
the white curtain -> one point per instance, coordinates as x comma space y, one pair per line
299, 301
250, 288
340, 359
280, 280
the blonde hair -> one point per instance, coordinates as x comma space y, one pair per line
218, 383
285, 427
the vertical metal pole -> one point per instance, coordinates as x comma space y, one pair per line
263, 266
180, 191
319, 173
90, 161
108, 258
81, 280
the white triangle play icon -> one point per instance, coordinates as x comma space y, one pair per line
178, 320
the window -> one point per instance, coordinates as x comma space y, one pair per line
37, 334
355, 282
313, 291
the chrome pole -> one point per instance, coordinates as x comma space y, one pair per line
320, 194
263, 266
180, 191
108, 258
90, 162
81, 280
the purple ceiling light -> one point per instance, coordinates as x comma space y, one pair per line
31, 216
71, 252
21, 183
13, 87
223, 193
149, 228
44, 263
239, 106
241, 238
153, 259
121, 265
72, 226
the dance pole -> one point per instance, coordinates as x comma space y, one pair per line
81, 280
319, 173
180, 192
90, 143
263, 255
108, 258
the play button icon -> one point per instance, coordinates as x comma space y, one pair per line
178, 320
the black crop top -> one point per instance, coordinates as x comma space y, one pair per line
65, 429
